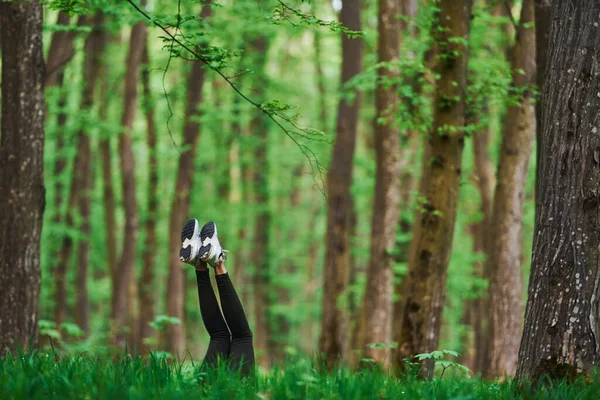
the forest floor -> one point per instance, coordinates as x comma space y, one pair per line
42, 375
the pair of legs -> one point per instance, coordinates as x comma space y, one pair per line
230, 337
234, 343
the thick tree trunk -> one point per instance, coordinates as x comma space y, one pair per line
434, 224
146, 285
21, 173
561, 332
126, 266
380, 276
181, 201
506, 282
332, 343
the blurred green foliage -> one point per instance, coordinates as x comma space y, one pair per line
292, 86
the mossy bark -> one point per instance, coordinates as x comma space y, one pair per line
439, 186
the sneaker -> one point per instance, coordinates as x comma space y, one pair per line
191, 243
211, 249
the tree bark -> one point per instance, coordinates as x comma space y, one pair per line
126, 266
543, 23
181, 201
380, 275
506, 282
434, 224
332, 343
146, 285
561, 335
21, 173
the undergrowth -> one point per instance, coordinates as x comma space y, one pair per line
85, 376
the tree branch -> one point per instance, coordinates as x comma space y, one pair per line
306, 151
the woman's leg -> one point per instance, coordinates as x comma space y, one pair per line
242, 350
219, 345
191, 244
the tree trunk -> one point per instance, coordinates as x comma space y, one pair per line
411, 140
126, 267
224, 142
506, 282
260, 177
94, 51
310, 326
181, 201
332, 343
320, 76
439, 186
60, 52
477, 310
239, 193
147, 279
108, 193
485, 182
21, 173
380, 275
561, 332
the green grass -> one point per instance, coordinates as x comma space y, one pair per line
40, 375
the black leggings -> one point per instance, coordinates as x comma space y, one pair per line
235, 346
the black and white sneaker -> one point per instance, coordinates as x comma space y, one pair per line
211, 249
191, 243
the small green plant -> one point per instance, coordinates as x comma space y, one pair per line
438, 357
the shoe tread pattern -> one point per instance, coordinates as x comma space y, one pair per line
186, 233
208, 231
188, 230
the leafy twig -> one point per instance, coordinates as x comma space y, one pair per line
306, 151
